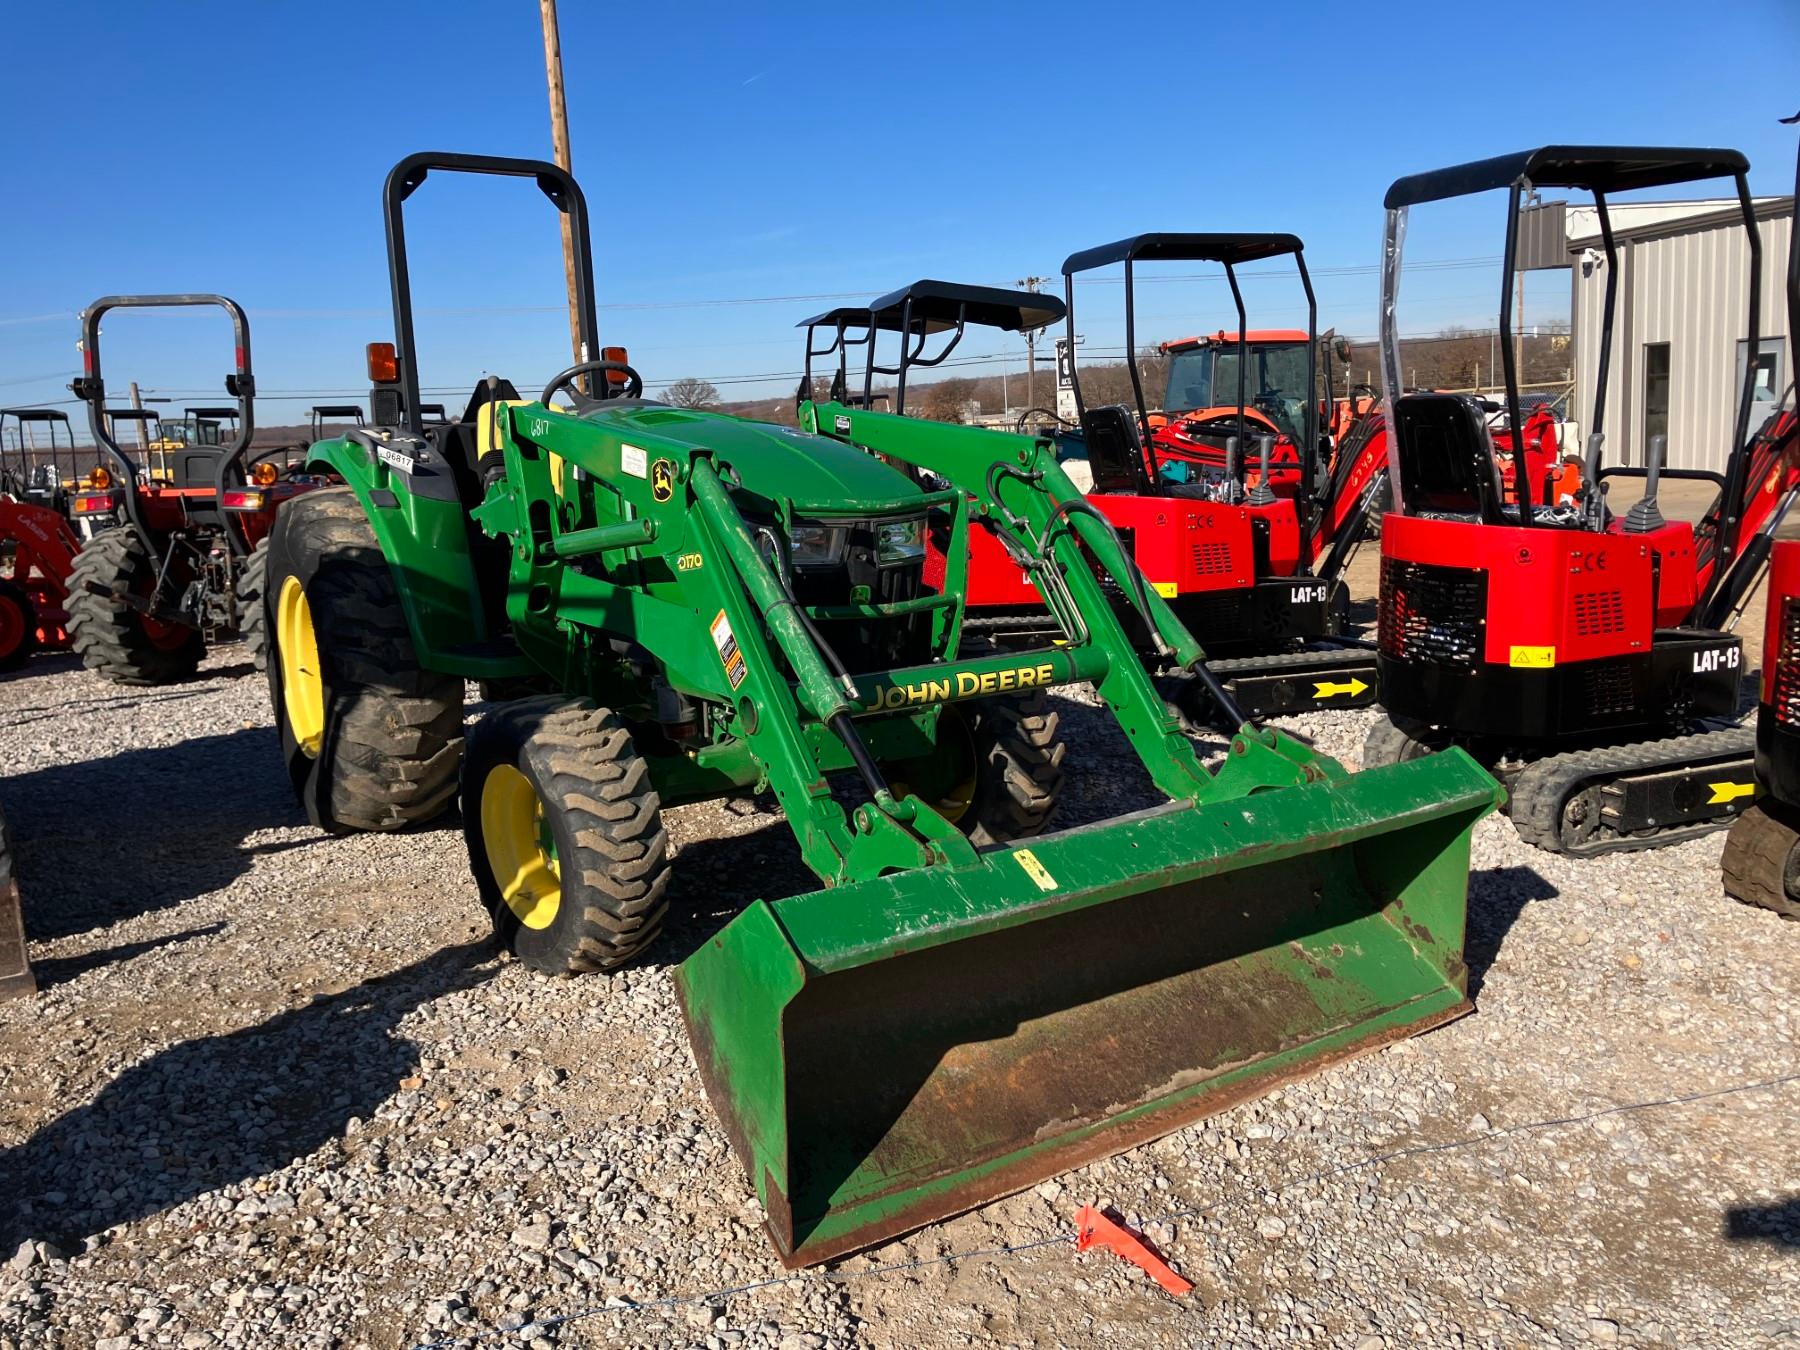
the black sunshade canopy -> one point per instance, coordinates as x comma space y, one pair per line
1592, 168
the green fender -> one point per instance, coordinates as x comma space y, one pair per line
426, 543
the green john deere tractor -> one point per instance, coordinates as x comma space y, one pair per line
723, 607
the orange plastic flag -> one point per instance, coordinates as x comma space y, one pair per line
1094, 1228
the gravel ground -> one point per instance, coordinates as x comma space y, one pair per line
279, 1090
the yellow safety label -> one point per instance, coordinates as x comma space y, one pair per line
1035, 869
1168, 590
1729, 792
1534, 658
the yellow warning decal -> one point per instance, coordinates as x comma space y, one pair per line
1534, 658
729, 655
1168, 590
1035, 869
1326, 689
1729, 792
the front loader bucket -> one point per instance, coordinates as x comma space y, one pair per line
893, 1052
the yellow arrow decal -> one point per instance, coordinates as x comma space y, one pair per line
1326, 689
1729, 792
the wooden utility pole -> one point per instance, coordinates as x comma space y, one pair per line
1031, 338
559, 147
143, 427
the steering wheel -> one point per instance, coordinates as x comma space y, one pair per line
634, 382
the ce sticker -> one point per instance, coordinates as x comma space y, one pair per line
662, 480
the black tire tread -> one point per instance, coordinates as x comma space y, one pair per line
253, 617
1755, 861
1020, 777
616, 886
28, 643
106, 632
395, 737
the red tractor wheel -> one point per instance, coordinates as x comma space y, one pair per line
18, 626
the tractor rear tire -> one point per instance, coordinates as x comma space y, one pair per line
113, 639
18, 626
1761, 862
253, 624
386, 738
1389, 744
565, 835
1018, 768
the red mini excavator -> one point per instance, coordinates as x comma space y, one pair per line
1761, 862
1253, 570
1585, 655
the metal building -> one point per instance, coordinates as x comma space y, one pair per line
1678, 342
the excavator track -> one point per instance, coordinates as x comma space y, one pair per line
1621, 798
1323, 680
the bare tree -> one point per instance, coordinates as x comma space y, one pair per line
690, 392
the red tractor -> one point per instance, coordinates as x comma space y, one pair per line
180, 561
1253, 572
1583, 654
38, 472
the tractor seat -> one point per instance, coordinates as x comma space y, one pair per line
1115, 450
1446, 459
196, 467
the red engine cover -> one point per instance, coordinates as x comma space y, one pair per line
1553, 595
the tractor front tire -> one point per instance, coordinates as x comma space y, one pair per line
18, 626
1018, 768
1761, 862
113, 639
565, 835
253, 625
372, 739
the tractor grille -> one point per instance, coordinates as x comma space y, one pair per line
1787, 666
1212, 559
1598, 613
1431, 613
1606, 689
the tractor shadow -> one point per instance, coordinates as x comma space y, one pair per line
61, 969
209, 1112
143, 830
43, 663
1497, 897
1776, 1223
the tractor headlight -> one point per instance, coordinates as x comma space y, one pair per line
815, 545
899, 541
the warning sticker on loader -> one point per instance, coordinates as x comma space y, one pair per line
1533, 658
729, 655
1035, 869
634, 461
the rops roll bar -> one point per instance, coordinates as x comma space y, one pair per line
90, 387
1598, 170
1231, 251
404, 179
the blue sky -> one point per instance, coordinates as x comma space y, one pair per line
733, 155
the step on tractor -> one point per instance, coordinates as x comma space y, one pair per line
177, 562
39, 469
969, 1003
1583, 654
1761, 862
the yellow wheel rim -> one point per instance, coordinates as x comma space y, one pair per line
302, 688
955, 803
521, 852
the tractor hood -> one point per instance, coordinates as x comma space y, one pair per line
770, 460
